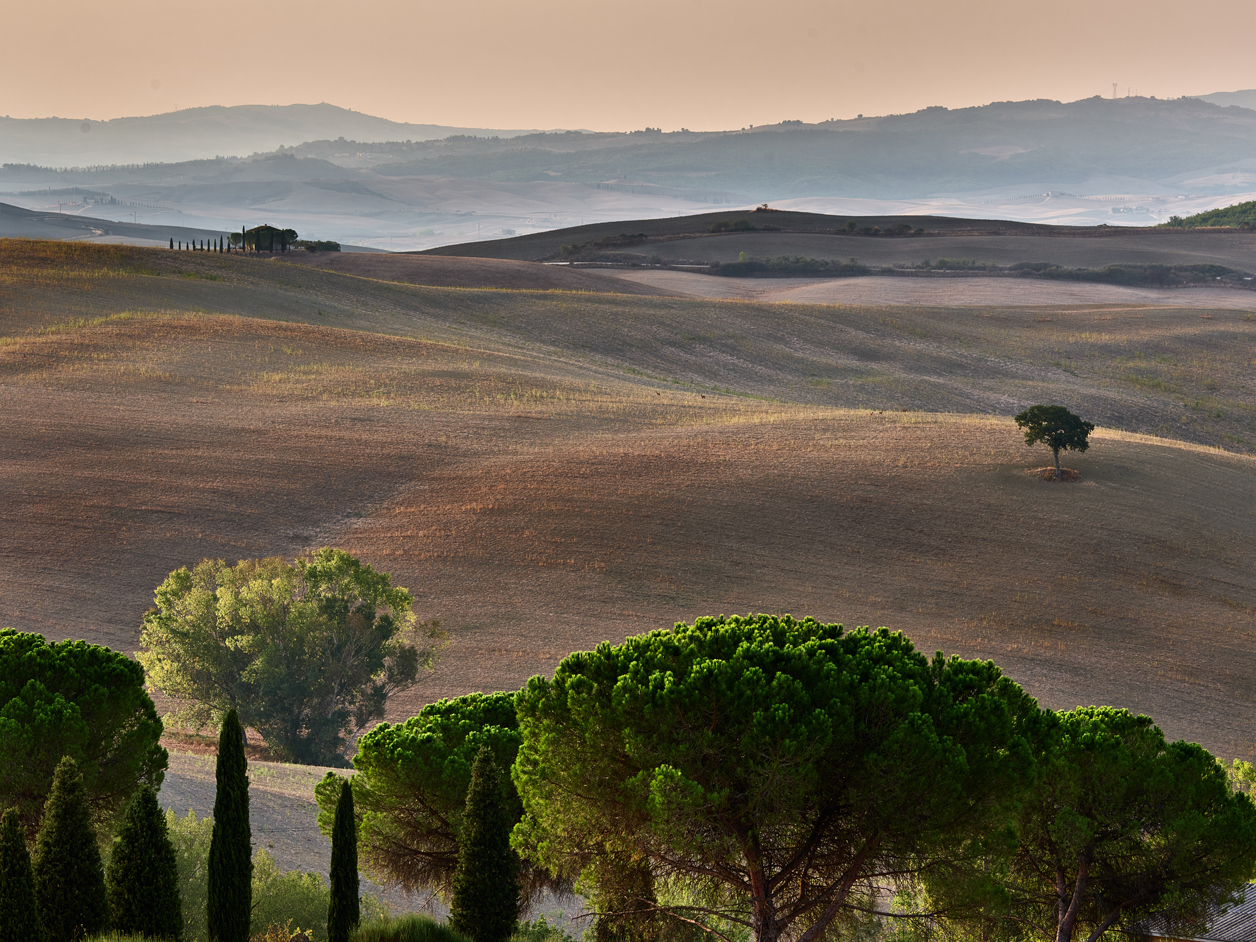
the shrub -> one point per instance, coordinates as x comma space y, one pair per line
142, 881
299, 899
69, 877
412, 927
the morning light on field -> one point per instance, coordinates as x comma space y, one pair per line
541, 472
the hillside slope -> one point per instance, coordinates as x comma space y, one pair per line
524, 463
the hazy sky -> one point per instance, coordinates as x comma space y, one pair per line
702, 64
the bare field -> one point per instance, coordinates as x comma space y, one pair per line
931, 292
524, 464
1081, 250
453, 272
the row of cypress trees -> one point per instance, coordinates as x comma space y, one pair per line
63, 893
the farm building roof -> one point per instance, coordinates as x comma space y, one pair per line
1233, 924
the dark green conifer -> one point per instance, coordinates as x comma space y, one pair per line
485, 904
230, 854
142, 881
69, 878
172, 242
19, 918
343, 912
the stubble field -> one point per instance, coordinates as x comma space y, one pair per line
547, 471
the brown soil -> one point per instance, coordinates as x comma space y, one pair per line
935, 291
450, 272
538, 500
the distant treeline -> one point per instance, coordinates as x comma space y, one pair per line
1238, 216
1142, 276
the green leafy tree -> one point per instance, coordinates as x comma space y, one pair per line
485, 900
69, 877
1057, 428
1121, 824
80, 700
230, 871
777, 768
142, 880
191, 837
343, 912
19, 914
307, 653
410, 792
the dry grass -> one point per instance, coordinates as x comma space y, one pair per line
530, 471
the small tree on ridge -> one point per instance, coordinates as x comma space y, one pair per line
1057, 428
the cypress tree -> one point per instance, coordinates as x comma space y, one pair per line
19, 918
69, 878
172, 242
485, 904
142, 882
343, 911
230, 894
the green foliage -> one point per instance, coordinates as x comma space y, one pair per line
1055, 427
342, 909
278, 898
485, 900
305, 652
80, 700
787, 265
142, 881
19, 915
316, 245
293, 898
1242, 776
733, 225
1119, 825
229, 888
1137, 276
411, 786
780, 765
541, 930
191, 837
412, 927
69, 877
1238, 216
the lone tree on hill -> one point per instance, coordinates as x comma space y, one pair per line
343, 908
142, 881
485, 905
1057, 428
230, 854
69, 877
19, 919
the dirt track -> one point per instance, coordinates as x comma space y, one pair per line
931, 292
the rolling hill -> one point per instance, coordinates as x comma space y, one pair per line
1130, 161
549, 469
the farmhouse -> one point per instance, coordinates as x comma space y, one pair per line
268, 239
1236, 924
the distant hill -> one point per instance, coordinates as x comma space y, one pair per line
1240, 99
200, 132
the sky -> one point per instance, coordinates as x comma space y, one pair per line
593, 64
